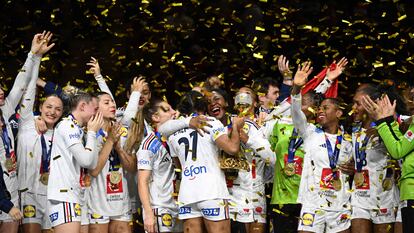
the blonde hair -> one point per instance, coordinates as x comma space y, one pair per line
135, 133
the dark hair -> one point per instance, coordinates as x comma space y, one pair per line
316, 98
151, 108
192, 102
80, 96
334, 101
262, 85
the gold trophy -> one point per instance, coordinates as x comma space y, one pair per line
232, 164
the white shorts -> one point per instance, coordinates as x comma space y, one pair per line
167, 220
101, 219
385, 215
401, 205
317, 220
246, 215
34, 209
85, 215
64, 212
5, 217
213, 210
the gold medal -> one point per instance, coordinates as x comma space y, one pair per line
359, 179
290, 169
337, 184
387, 184
9, 164
115, 177
87, 180
44, 178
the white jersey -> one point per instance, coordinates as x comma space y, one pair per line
250, 184
107, 198
65, 171
316, 188
29, 149
154, 156
201, 179
371, 195
27, 72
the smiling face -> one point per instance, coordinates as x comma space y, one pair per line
107, 106
328, 113
51, 110
359, 112
217, 105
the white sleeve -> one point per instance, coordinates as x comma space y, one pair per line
29, 97
298, 117
144, 161
217, 129
267, 129
323, 86
282, 108
103, 86
131, 108
22, 79
261, 146
87, 156
172, 126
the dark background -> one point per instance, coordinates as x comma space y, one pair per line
175, 43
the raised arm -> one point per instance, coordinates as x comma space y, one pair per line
298, 117
230, 145
331, 75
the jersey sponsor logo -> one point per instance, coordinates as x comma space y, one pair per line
29, 211
409, 135
166, 220
343, 219
211, 211
143, 162
308, 219
53, 217
193, 171
216, 132
78, 209
327, 178
74, 136
185, 210
244, 212
96, 216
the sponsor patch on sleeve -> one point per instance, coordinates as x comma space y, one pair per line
409, 135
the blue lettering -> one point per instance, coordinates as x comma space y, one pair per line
192, 171
185, 210
74, 136
211, 211
53, 217
143, 162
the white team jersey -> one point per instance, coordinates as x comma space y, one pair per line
153, 156
11, 101
316, 189
250, 184
201, 179
106, 198
371, 194
29, 149
65, 172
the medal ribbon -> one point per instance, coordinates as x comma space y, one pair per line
44, 167
360, 152
333, 154
114, 161
164, 143
293, 145
7, 142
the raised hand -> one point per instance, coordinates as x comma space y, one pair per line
387, 109
96, 122
94, 67
40, 43
283, 66
138, 84
371, 107
336, 69
200, 123
301, 76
